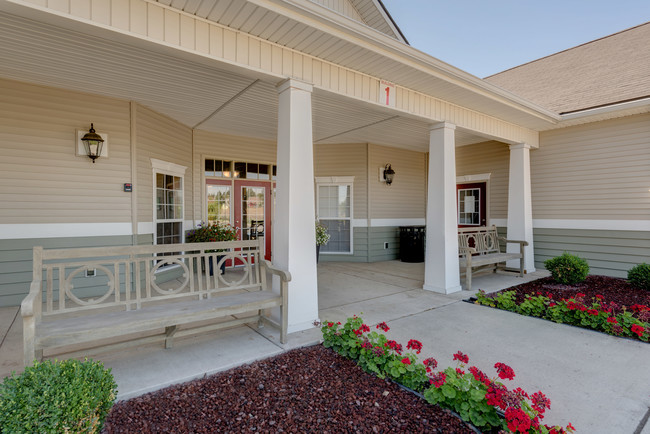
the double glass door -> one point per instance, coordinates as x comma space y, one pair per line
246, 205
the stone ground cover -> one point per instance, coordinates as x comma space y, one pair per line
311, 389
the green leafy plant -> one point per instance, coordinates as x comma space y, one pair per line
639, 276
211, 232
55, 397
567, 269
322, 237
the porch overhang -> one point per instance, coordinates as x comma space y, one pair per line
189, 83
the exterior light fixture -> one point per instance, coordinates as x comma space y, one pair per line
93, 143
389, 174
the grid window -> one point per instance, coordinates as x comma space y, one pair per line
335, 213
169, 209
469, 206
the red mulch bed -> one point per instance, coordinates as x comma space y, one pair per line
612, 289
305, 390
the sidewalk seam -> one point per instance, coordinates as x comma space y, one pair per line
643, 422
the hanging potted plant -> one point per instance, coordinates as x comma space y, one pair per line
322, 237
211, 233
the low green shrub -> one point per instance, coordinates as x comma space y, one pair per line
639, 276
567, 269
67, 396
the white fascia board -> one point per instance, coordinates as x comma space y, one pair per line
314, 15
605, 110
63, 230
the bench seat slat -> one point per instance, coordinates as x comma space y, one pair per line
82, 329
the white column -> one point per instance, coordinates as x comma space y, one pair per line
441, 272
294, 234
520, 209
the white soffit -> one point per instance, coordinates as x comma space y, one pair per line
312, 29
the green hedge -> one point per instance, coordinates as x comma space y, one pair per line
55, 397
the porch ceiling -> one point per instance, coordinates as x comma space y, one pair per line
195, 94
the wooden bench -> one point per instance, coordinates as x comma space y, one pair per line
134, 298
479, 248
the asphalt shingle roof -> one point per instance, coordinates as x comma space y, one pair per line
612, 69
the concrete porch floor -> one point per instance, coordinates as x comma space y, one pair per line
599, 383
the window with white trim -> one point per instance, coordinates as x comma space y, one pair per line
169, 209
334, 211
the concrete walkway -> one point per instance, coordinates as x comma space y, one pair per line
599, 383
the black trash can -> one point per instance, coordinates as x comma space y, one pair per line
411, 243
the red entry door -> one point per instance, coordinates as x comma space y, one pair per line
253, 211
471, 201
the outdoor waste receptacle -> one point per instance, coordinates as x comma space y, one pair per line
411, 243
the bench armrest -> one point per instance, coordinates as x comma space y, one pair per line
467, 251
523, 243
285, 276
31, 305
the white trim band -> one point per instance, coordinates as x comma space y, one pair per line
602, 225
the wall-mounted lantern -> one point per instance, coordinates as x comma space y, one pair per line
389, 174
93, 143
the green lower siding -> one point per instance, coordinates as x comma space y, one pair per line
16, 263
369, 246
610, 253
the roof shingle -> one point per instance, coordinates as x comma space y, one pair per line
612, 69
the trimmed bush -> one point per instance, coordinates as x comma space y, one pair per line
54, 397
639, 276
567, 269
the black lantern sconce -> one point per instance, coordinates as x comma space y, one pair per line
93, 144
389, 174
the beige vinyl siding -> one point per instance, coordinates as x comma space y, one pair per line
493, 158
594, 171
344, 7
346, 160
41, 178
162, 138
225, 147
405, 198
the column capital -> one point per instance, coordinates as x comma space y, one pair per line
521, 146
295, 84
441, 125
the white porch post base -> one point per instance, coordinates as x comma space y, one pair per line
520, 209
294, 234
441, 269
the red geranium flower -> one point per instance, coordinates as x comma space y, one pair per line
439, 379
593, 312
637, 329
406, 361
330, 324
414, 345
479, 375
579, 295
540, 402
430, 363
460, 372
395, 346
518, 420
599, 297
505, 371
612, 320
461, 357
383, 326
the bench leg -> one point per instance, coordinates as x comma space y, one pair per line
169, 336
260, 321
468, 278
521, 267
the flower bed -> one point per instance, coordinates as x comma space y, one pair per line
600, 303
475, 396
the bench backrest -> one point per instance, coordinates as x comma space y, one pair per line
483, 239
130, 277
